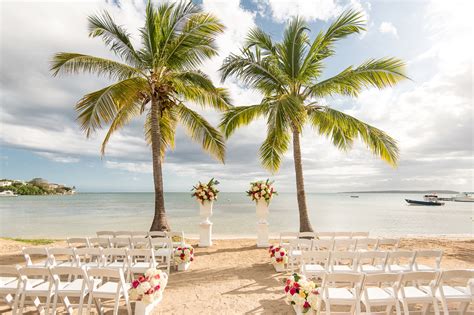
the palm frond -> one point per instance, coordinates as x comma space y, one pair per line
114, 36
201, 131
343, 129
168, 122
257, 37
273, 148
379, 73
292, 50
72, 63
241, 116
102, 106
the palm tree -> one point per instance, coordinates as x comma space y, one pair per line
288, 76
157, 80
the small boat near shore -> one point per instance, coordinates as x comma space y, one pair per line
8, 193
464, 197
428, 200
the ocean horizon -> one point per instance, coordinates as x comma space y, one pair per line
382, 214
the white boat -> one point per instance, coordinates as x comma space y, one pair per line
7, 193
464, 197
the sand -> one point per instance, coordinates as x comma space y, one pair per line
235, 277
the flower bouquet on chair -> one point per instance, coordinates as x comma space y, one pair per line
302, 294
183, 256
278, 257
147, 290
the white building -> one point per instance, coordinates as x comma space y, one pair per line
4, 183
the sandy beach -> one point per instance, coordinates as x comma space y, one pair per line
235, 277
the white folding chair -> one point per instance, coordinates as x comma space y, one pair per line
325, 235
360, 234
163, 250
108, 234
296, 249
65, 257
157, 234
400, 261
371, 262
455, 286
103, 242
36, 252
307, 235
36, 283
366, 243
140, 260
315, 264
348, 295
342, 235
116, 258
125, 234
388, 243
177, 238
120, 242
66, 289
112, 286
418, 287
139, 234
381, 290
76, 242
343, 262
89, 257
344, 244
286, 237
428, 260
323, 244
10, 286
139, 242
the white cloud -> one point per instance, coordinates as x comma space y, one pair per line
388, 28
58, 157
133, 167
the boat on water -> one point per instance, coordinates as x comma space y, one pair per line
428, 200
464, 197
8, 193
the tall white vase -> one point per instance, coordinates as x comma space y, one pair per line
262, 223
205, 227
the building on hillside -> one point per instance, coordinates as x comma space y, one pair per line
5, 183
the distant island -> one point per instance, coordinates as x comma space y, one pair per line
36, 186
439, 191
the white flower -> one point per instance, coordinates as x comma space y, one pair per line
148, 298
133, 294
143, 287
152, 272
204, 197
255, 188
211, 193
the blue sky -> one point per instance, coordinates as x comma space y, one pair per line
430, 116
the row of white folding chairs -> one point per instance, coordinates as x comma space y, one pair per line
45, 286
140, 234
322, 235
362, 244
314, 263
116, 242
392, 289
131, 260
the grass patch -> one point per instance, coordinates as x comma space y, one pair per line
34, 241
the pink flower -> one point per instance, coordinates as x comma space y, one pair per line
282, 253
287, 288
306, 305
292, 291
135, 284
141, 279
157, 288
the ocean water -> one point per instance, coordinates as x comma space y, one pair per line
234, 214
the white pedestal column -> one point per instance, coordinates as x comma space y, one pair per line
205, 227
262, 224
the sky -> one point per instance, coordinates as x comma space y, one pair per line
431, 115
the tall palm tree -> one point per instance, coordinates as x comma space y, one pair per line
157, 80
288, 75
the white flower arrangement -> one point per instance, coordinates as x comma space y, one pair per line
206, 192
149, 286
301, 293
184, 254
261, 190
278, 255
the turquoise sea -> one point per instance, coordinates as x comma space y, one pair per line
234, 214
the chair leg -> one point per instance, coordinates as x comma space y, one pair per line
388, 310
435, 306
397, 308
81, 304
22, 303
328, 308
357, 308
405, 308
463, 308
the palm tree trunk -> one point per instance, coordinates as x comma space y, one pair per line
305, 224
160, 223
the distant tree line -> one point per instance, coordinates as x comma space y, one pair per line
36, 186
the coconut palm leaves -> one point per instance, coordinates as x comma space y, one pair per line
159, 79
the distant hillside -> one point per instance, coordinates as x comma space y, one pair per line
438, 191
36, 186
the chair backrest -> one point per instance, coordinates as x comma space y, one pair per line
157, 234
316, 257
176, 237
139, 233
140, 242
336, 279
309, 235
401, 257
40, 252
344, 258
344, 244
123, 234
28, 273
56, 252
143, 255
120, 242
360, 234
418, 277
342, 235
301, 244
285, 238
103, 242
92, 256
109, 274
372, 258
387, 278
105, 234
78, 242
460, 277
325, 235
9, 271
426, 255
115, 254
366, 243
160, 242
59, 271
323, 244
388, 243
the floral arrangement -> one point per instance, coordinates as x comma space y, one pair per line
278, 255
203, 192
261, 189
301, 293
184, 254
149, 286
